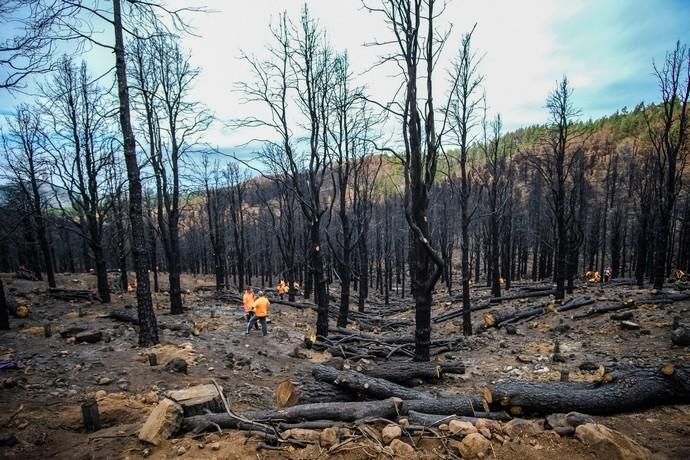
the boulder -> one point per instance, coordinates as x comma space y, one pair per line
164, 420
461, 427
301, 434
610, 444
401, 449
474, 445
492, 425
391, 432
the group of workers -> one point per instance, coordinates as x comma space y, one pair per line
256, 306
283, 288
256, 310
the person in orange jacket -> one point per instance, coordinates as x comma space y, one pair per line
248, 301
260, 308
282, 289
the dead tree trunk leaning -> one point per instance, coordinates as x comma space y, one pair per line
148, 330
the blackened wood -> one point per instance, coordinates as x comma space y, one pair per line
336, 411
623, 391
458, 405
90, 415
364, 385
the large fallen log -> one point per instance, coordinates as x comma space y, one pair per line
291, 393
620, 392
341, 412
363, 385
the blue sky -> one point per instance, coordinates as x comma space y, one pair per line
605, 47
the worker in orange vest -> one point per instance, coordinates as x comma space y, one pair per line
260, 308
282, 289
248, 301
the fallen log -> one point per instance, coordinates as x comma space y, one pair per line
458, 312
120, 315
618, 392
336, 411
77, 295
400, 371
524, 295
605, 309
290, 393
364, 385
498, 318
575, 302
457, 405
434, 420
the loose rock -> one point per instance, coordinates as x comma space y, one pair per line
610, 444
402, 449
391, 432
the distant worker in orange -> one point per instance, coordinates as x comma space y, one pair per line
282, 289
260, 308
248, 301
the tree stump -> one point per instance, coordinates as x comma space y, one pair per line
90, 415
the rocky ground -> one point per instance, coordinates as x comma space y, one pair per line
40, 404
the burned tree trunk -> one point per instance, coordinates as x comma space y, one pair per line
617, 392
4, 313
364, 385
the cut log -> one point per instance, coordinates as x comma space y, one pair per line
198, 399
400, 371
498, 318
617, 392
453, 367
457, 405
89, 337
364, 385
123, 316
434, 420
290, 393
163, 421
339, 412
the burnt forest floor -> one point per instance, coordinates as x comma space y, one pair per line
40, 403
